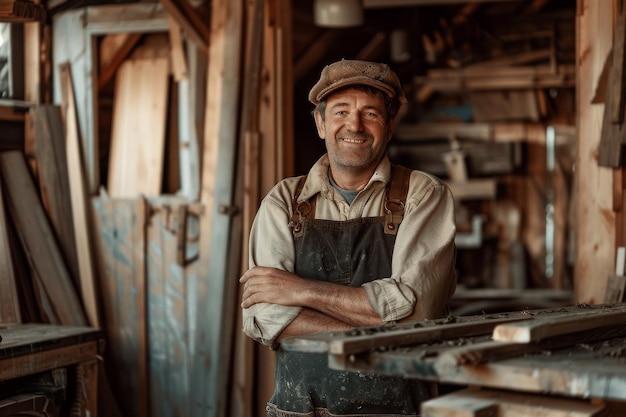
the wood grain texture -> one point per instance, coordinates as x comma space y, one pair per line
121, 239
81, 212
9, 301
139, 119
38, 240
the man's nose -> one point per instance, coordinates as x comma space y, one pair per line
354, 122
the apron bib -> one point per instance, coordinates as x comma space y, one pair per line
351, 253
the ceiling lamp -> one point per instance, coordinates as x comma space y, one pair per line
338, 13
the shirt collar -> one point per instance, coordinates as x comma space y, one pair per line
318, 182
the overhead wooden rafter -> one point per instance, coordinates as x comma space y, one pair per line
21, 11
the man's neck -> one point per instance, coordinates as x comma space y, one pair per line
350, 180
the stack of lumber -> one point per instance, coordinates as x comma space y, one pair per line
572, 351
21, 11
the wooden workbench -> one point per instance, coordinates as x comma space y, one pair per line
576, 352
29, 352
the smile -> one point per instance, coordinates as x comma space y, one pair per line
353, 140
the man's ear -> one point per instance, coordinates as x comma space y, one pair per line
319, 122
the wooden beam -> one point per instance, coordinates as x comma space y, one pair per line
216, 294
593, 201
107, 71
190, 21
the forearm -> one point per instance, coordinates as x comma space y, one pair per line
312, 321
345, 304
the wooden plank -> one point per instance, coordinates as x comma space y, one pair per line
38, 239
595, 241
81, 215
486, 403
170, 359
361, 340
139, 121
121, 246
47, 360
9, 301
542, 328
590, 370
216, 297
54, 186
33, 61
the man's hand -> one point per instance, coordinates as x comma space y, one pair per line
271, 285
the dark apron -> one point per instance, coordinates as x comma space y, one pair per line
351, 253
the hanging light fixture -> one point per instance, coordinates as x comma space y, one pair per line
338, 13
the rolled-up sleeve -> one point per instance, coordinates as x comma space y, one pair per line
423, 264
271, 245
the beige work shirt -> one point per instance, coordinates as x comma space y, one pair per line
423, 271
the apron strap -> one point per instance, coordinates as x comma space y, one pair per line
395, 198
301, 210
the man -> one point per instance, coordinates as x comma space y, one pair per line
354, 243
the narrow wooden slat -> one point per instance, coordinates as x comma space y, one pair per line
216, 293
191, 98
244, 368
9, 301
139, 119
38, 239
79, 198
542, 328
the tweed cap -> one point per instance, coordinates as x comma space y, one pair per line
345, 73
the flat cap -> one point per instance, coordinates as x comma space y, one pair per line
346, 73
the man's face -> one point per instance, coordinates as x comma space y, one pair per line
355, 128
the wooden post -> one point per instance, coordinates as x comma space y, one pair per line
595, 237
